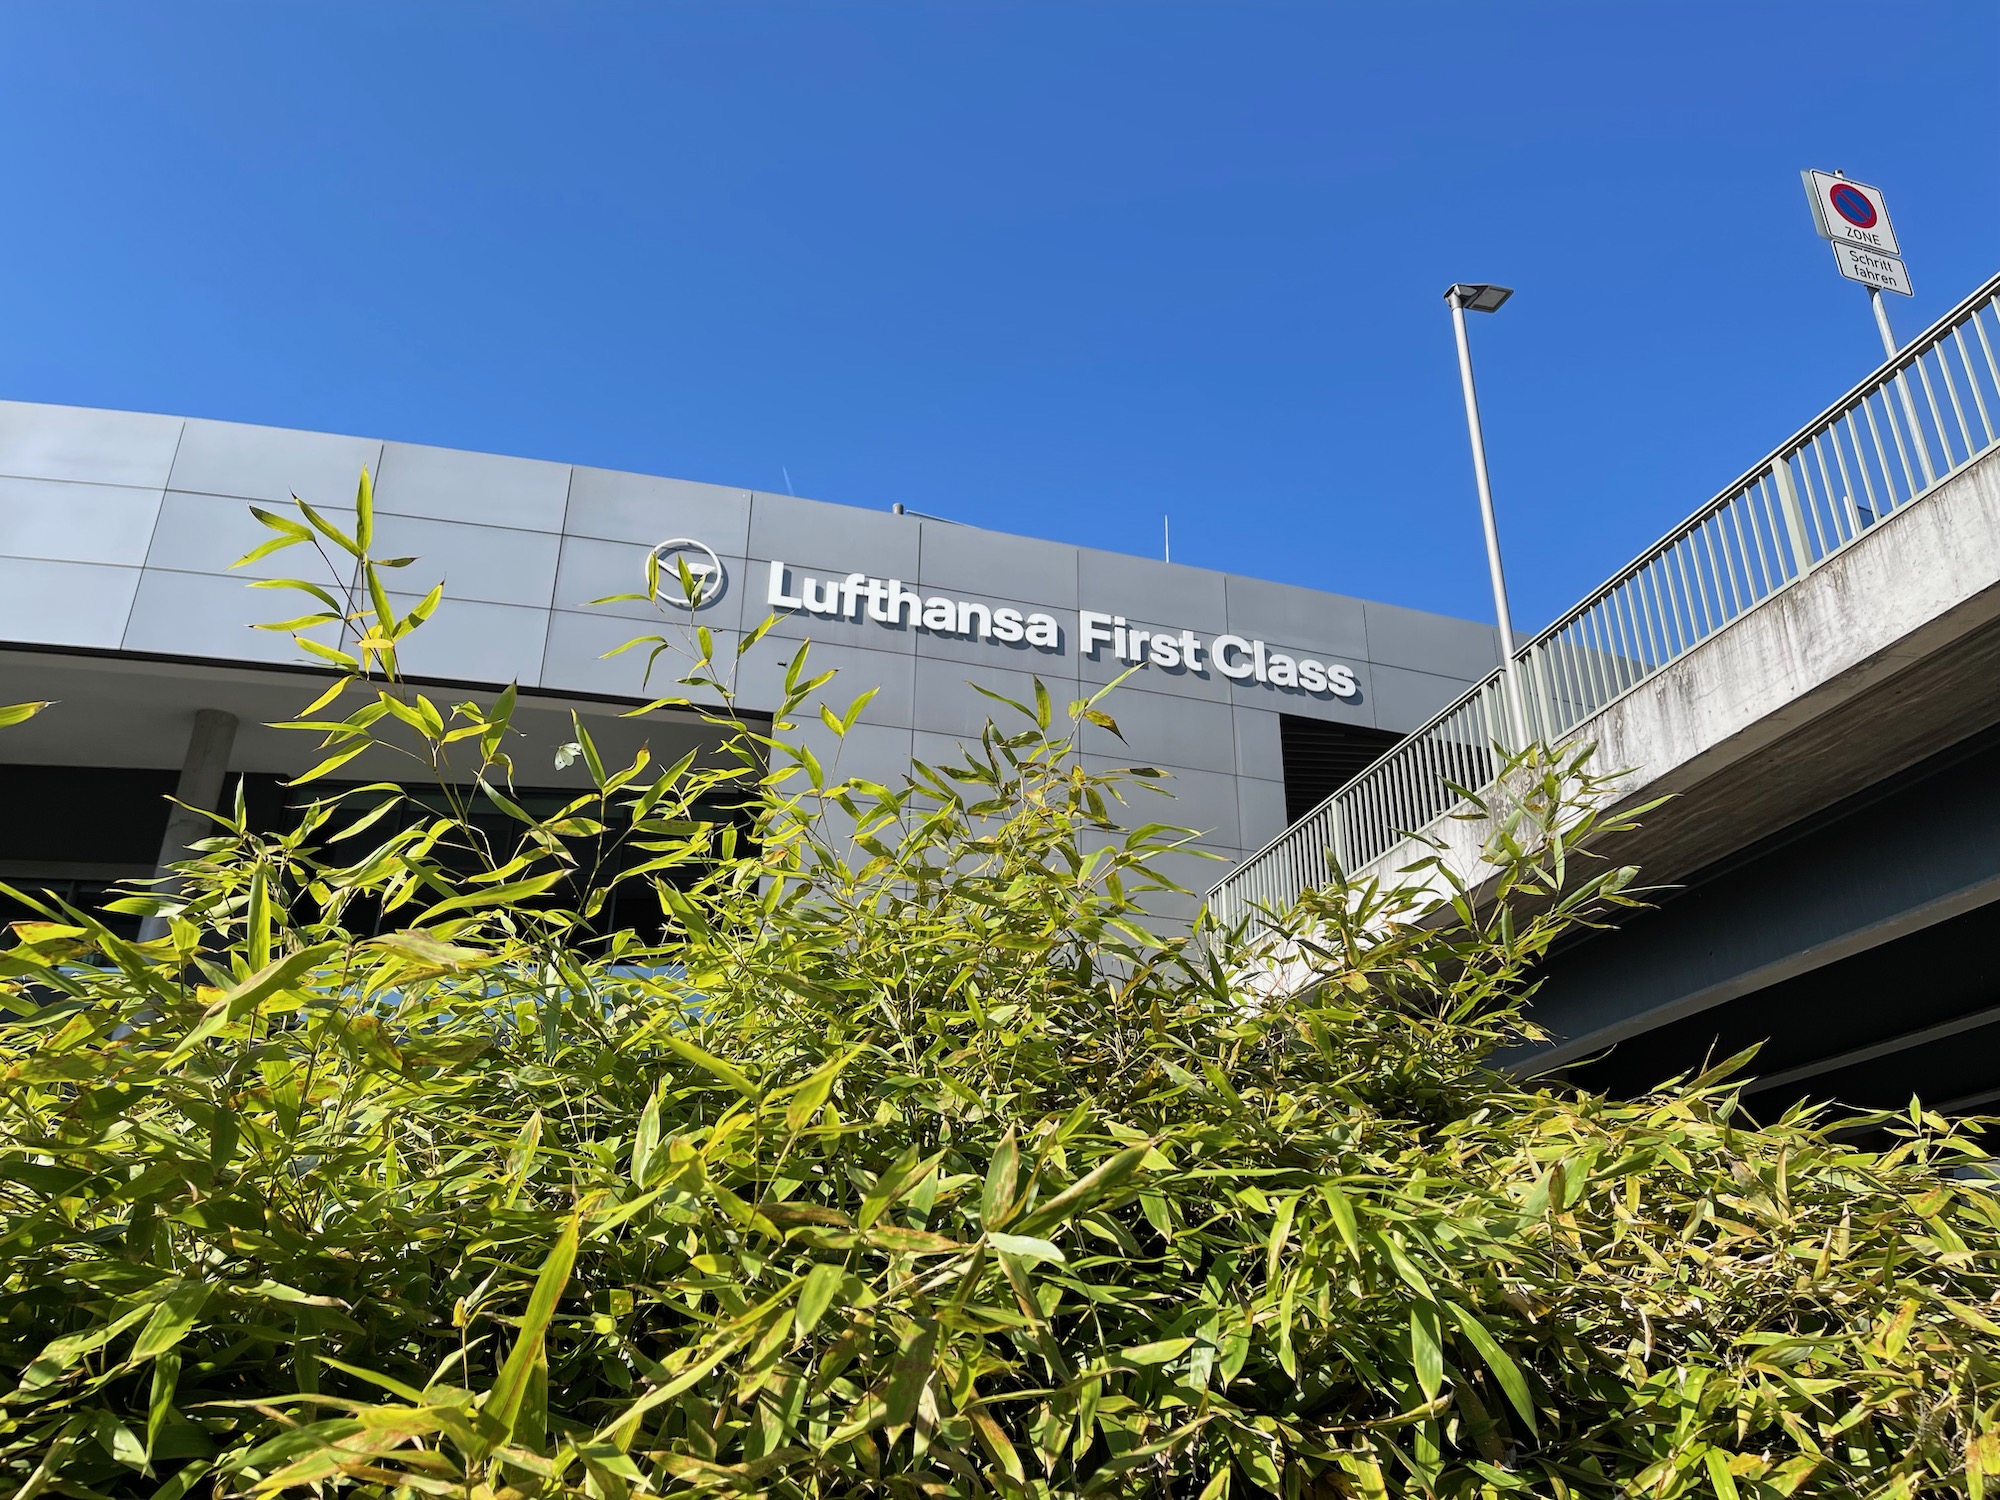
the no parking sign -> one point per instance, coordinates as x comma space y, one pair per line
1850, 213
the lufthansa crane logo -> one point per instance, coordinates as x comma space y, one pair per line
705, 579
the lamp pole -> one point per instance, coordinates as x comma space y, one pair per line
1487, 298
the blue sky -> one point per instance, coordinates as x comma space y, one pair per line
1056, 269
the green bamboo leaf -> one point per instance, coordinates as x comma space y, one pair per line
511, 893
501, 1410
120, 1441
264, 549
1496, 1359
234, 1004
894, 1184
421, 611
160, 1407
645, 1141
283, 525
1156, 1352
1426, 1351
814, 1092
334, 608
1106, 1178
364, 511
378, 597
60, 1355
816, 1295
326, 654
428, 950
19, 713
910, 1373
1002, 1193
1717, 1463
901, 1241
994, 1440
171, 1320
295, 624
327, 529
1281, 1227
331, 764
708, 1062
854, 709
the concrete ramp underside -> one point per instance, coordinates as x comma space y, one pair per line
1846, 691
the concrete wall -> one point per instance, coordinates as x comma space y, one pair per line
117, 528
1881, 658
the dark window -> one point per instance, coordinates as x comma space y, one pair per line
1321, 757
68, 815
74, 831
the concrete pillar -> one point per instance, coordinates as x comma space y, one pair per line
202, 774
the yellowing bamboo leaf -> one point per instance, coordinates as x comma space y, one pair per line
19, 713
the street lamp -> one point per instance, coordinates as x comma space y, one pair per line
1485, 297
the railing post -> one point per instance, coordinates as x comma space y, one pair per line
1544, 706
1795, 520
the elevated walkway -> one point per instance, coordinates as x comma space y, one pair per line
1809, 667
1780, 586
1882, 655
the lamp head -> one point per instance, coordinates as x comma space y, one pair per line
1478, 296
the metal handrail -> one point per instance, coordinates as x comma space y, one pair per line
1811, 496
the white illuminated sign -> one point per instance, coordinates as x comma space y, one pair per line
889, 602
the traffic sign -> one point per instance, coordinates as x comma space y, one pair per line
1883, 272
1850, 213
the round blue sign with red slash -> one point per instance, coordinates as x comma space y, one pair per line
1852, 205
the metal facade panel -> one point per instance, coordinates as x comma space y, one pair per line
878, 752
1150, 592
617, 507
69, 521
948, 702
964, 560
760, 680
1331, 627
45, 603
832, 539
1259, 750
272, 464
491, 564
214, 615
469, 641
445, 484
1167, 731
1405, 698
577, 657
1203, 801
1400, 637
97, 447
206, 533
1260, 810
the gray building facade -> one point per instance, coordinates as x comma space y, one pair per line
116, 599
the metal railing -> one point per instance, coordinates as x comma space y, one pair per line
1914, 422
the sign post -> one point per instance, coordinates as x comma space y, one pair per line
1854, 218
